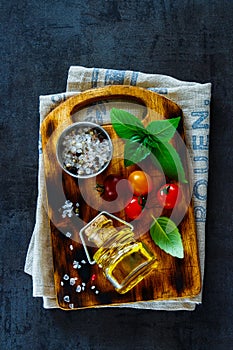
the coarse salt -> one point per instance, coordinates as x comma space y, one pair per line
78, 289
66, 298
72, 281
85, 151
75, 264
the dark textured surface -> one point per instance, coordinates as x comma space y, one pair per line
190, 40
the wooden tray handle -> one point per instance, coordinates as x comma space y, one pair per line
155, 103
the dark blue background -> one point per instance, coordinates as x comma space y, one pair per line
40, 40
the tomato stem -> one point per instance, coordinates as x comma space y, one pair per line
142, 201
99, 188
166, 189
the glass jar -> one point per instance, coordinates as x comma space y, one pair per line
125, 261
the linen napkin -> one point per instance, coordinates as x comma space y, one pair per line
194, 100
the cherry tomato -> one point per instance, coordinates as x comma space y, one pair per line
140, 183
168, 195
134, 208
108, 189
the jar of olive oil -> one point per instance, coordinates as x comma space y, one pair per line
125, 261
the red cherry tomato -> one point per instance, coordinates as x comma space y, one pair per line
168, 196
134, 208
140, 183
109, 190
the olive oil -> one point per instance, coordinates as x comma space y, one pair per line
125, 262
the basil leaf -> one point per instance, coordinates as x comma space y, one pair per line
169, 160
126, 124
166, 235
135, 152
163, 130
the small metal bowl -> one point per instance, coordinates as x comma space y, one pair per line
70, 150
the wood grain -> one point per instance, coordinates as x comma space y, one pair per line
173, 278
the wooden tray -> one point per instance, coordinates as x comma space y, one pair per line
79, 284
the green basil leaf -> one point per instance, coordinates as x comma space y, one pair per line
135, 152
126, 124
166, 235
163, 130
169, 160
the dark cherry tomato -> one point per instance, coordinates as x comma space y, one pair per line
134, 208
140, 183
168, 195
109, 188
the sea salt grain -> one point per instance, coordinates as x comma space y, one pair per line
67, 209
75, 264
66, 298
68, 204
78, 289
68, 234
72, 281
